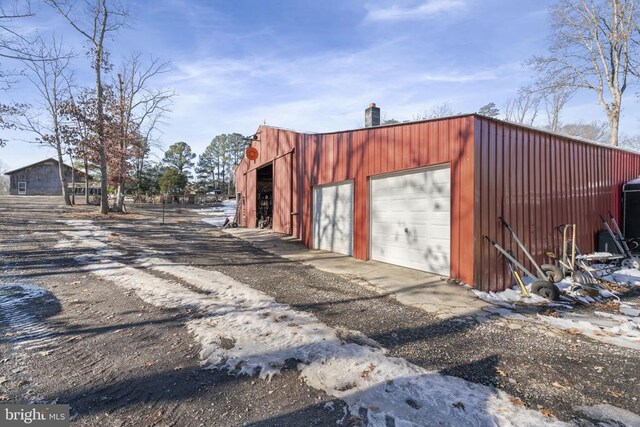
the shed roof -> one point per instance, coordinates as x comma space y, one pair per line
50, 159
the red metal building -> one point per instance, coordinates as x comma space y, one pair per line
422, 194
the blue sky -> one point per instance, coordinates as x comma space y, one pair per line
316, 65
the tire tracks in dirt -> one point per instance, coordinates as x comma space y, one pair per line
120, 361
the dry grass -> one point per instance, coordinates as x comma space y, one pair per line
110, 215
614, 286
609, 305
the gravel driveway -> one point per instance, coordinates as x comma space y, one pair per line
119, 360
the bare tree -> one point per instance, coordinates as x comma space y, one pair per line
11, 42
82, 149
94, 21
631, 142
555, 97
523, 107
79, 112
594, 131
593, 42
51, 79
8, 113
139, 110
437, 111
4, 181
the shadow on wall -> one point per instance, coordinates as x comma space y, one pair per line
333, 218
410, 217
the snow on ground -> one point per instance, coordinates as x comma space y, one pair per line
624, 333
510, 297
21, 326
628, 276
622, 330
605, 413
216, 215
246, 331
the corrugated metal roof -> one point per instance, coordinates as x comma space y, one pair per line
520, 125
50, 159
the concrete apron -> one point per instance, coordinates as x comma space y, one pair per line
415, 288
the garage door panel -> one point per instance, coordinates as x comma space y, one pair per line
410, 219
333, 218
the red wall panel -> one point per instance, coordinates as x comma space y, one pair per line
250, 198
359, 154
277, 146
282, 192
539, 181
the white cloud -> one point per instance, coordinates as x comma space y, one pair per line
513, 72
456, 77
421, 11
318, 91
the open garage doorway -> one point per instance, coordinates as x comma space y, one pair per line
264, 193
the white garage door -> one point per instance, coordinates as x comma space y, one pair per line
333, 218
410, 219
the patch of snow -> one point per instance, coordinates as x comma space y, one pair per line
217, 215
349, 335
630, 276
629, 311
610, 415
245, 331
627, 334
509, 298
257, 335
618, 317
505, 312
23, 327
622, 330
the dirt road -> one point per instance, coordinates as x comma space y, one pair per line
78, 327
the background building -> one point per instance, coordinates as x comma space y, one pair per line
43, 179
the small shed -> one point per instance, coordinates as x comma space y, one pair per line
423, 194
43, 179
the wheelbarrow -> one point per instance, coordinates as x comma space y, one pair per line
549, 272
582, 278
542, 284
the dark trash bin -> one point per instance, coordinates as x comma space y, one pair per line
631, 209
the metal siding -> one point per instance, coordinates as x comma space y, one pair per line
250, 198
546, 180
296, 204
282, 193
42, 179
374, 151
272, 144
